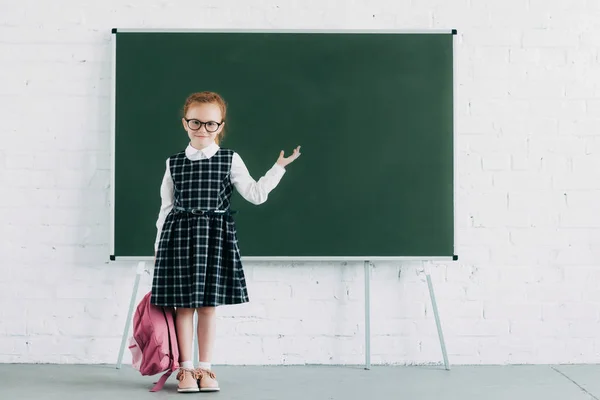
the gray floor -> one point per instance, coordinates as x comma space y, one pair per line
95, 382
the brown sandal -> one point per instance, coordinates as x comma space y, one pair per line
188, 381
207, 380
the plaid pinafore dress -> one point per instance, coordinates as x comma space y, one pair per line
198, 260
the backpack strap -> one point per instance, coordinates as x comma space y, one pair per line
161, 382
173, 345
174, 363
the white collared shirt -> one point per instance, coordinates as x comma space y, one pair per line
251, 190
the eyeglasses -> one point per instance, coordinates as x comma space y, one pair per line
195, 124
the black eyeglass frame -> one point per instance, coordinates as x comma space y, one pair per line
203, 124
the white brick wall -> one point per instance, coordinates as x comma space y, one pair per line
525, 289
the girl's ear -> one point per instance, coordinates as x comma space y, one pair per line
221, 128
183, 122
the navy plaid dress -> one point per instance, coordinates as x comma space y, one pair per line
198, 260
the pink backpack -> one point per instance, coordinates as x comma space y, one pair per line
153, 345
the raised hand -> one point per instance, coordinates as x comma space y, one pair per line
283, 161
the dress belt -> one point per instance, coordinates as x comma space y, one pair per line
197, 211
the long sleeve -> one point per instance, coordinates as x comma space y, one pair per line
166, 196
251, 190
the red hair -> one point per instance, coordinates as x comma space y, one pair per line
207, 98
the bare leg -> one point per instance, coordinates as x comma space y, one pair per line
207, 319
184, 323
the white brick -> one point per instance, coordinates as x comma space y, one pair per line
528, 274
582, 57
14, 345
497, 162
84, 290
495, 87
484, 236
556, 164
521, 180
500, 108
414, 292
19, 161
556, 108
570, 311
584, 329
493, 37
493, 62
516, 16
458, 309
538, 56
25, 178
550, 38
479, 254
558, 145
536, 237
592, 145
469, 327
583, 164
486, 201
528, 200
549, 349
385, 272
389, 345
578, 350
100, 350
578, 218
408, 310
581, 254
539, 329
274, 273
391, 326
560, 7
498, 218
476, 179
251, 309
581, 90
46, 348
534, 89
501, 311
547, 293
490, 144
475, 125
270, 291
581, 126
581, 181
582, 200
577, 236
315, 290
238, 350
528, 126
262, 327
492, 291
589, 38
16, 326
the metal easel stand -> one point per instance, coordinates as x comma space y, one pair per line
367, 279
141, 267
437, 319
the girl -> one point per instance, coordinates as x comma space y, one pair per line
197, 266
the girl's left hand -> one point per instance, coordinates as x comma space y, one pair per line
283, 161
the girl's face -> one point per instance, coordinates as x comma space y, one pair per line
203, 122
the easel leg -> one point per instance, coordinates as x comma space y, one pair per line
437, 322
367, 315
140, 269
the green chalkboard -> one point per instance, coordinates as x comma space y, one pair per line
373, 113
